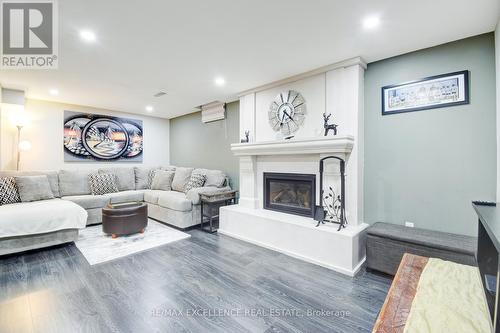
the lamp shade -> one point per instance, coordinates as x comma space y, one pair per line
24, 145
19, 119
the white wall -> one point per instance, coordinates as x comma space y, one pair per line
313, 91
497, 64
45, 132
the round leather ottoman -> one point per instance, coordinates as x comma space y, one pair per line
124, 219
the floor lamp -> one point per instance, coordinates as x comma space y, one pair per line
19, 128
21, 145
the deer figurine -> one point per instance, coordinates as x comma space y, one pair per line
327, 126
246, 139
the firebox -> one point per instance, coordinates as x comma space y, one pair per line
290, 193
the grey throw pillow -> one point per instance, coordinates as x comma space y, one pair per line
102, 183
215, 178
74, 182
34, 188
125, 177
8, 191
181, 178
162, 180
142, 180
196, 180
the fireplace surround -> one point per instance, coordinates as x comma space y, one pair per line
290, 193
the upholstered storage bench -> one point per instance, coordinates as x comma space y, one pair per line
386, 243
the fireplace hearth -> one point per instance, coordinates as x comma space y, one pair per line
290, 193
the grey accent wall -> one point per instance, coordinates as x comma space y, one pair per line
195, 144
426, 167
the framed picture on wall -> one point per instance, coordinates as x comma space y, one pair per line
93, 137
427, 93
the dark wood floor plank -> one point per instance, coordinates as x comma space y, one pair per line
208, 283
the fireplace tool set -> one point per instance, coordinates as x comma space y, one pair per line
331, 208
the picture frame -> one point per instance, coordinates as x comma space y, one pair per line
89, 137
432, 92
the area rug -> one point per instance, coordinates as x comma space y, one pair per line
97, 247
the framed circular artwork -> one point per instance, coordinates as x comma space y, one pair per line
88, 137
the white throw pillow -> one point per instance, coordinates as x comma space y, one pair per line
34, 188
162, 180
181, 178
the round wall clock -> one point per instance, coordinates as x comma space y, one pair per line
287, 112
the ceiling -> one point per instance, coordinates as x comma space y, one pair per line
180, 47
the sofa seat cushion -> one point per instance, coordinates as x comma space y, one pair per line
151, 196
88, 201
38, 217
125, 196
174, 200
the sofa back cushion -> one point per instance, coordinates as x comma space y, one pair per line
162, 180
125, 177
74, 182
34, 188
181, 178
8, 191
52, 176
214, 178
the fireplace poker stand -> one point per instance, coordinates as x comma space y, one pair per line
320, 212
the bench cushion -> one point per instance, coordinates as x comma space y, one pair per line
429, 238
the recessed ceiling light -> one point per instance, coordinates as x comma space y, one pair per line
54, 92
149, 108
87, 35
220, 81
371, 22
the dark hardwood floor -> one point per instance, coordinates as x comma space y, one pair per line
208, 283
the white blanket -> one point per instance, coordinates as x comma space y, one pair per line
30, 218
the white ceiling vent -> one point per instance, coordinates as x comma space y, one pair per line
213, 111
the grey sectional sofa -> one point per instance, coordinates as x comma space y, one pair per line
179, 209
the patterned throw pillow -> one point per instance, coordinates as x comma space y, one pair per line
151, 177
196, 180
8, 191
102, 183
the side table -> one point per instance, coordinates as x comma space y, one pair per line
210, 204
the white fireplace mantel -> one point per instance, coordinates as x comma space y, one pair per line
320, 145
337, 91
